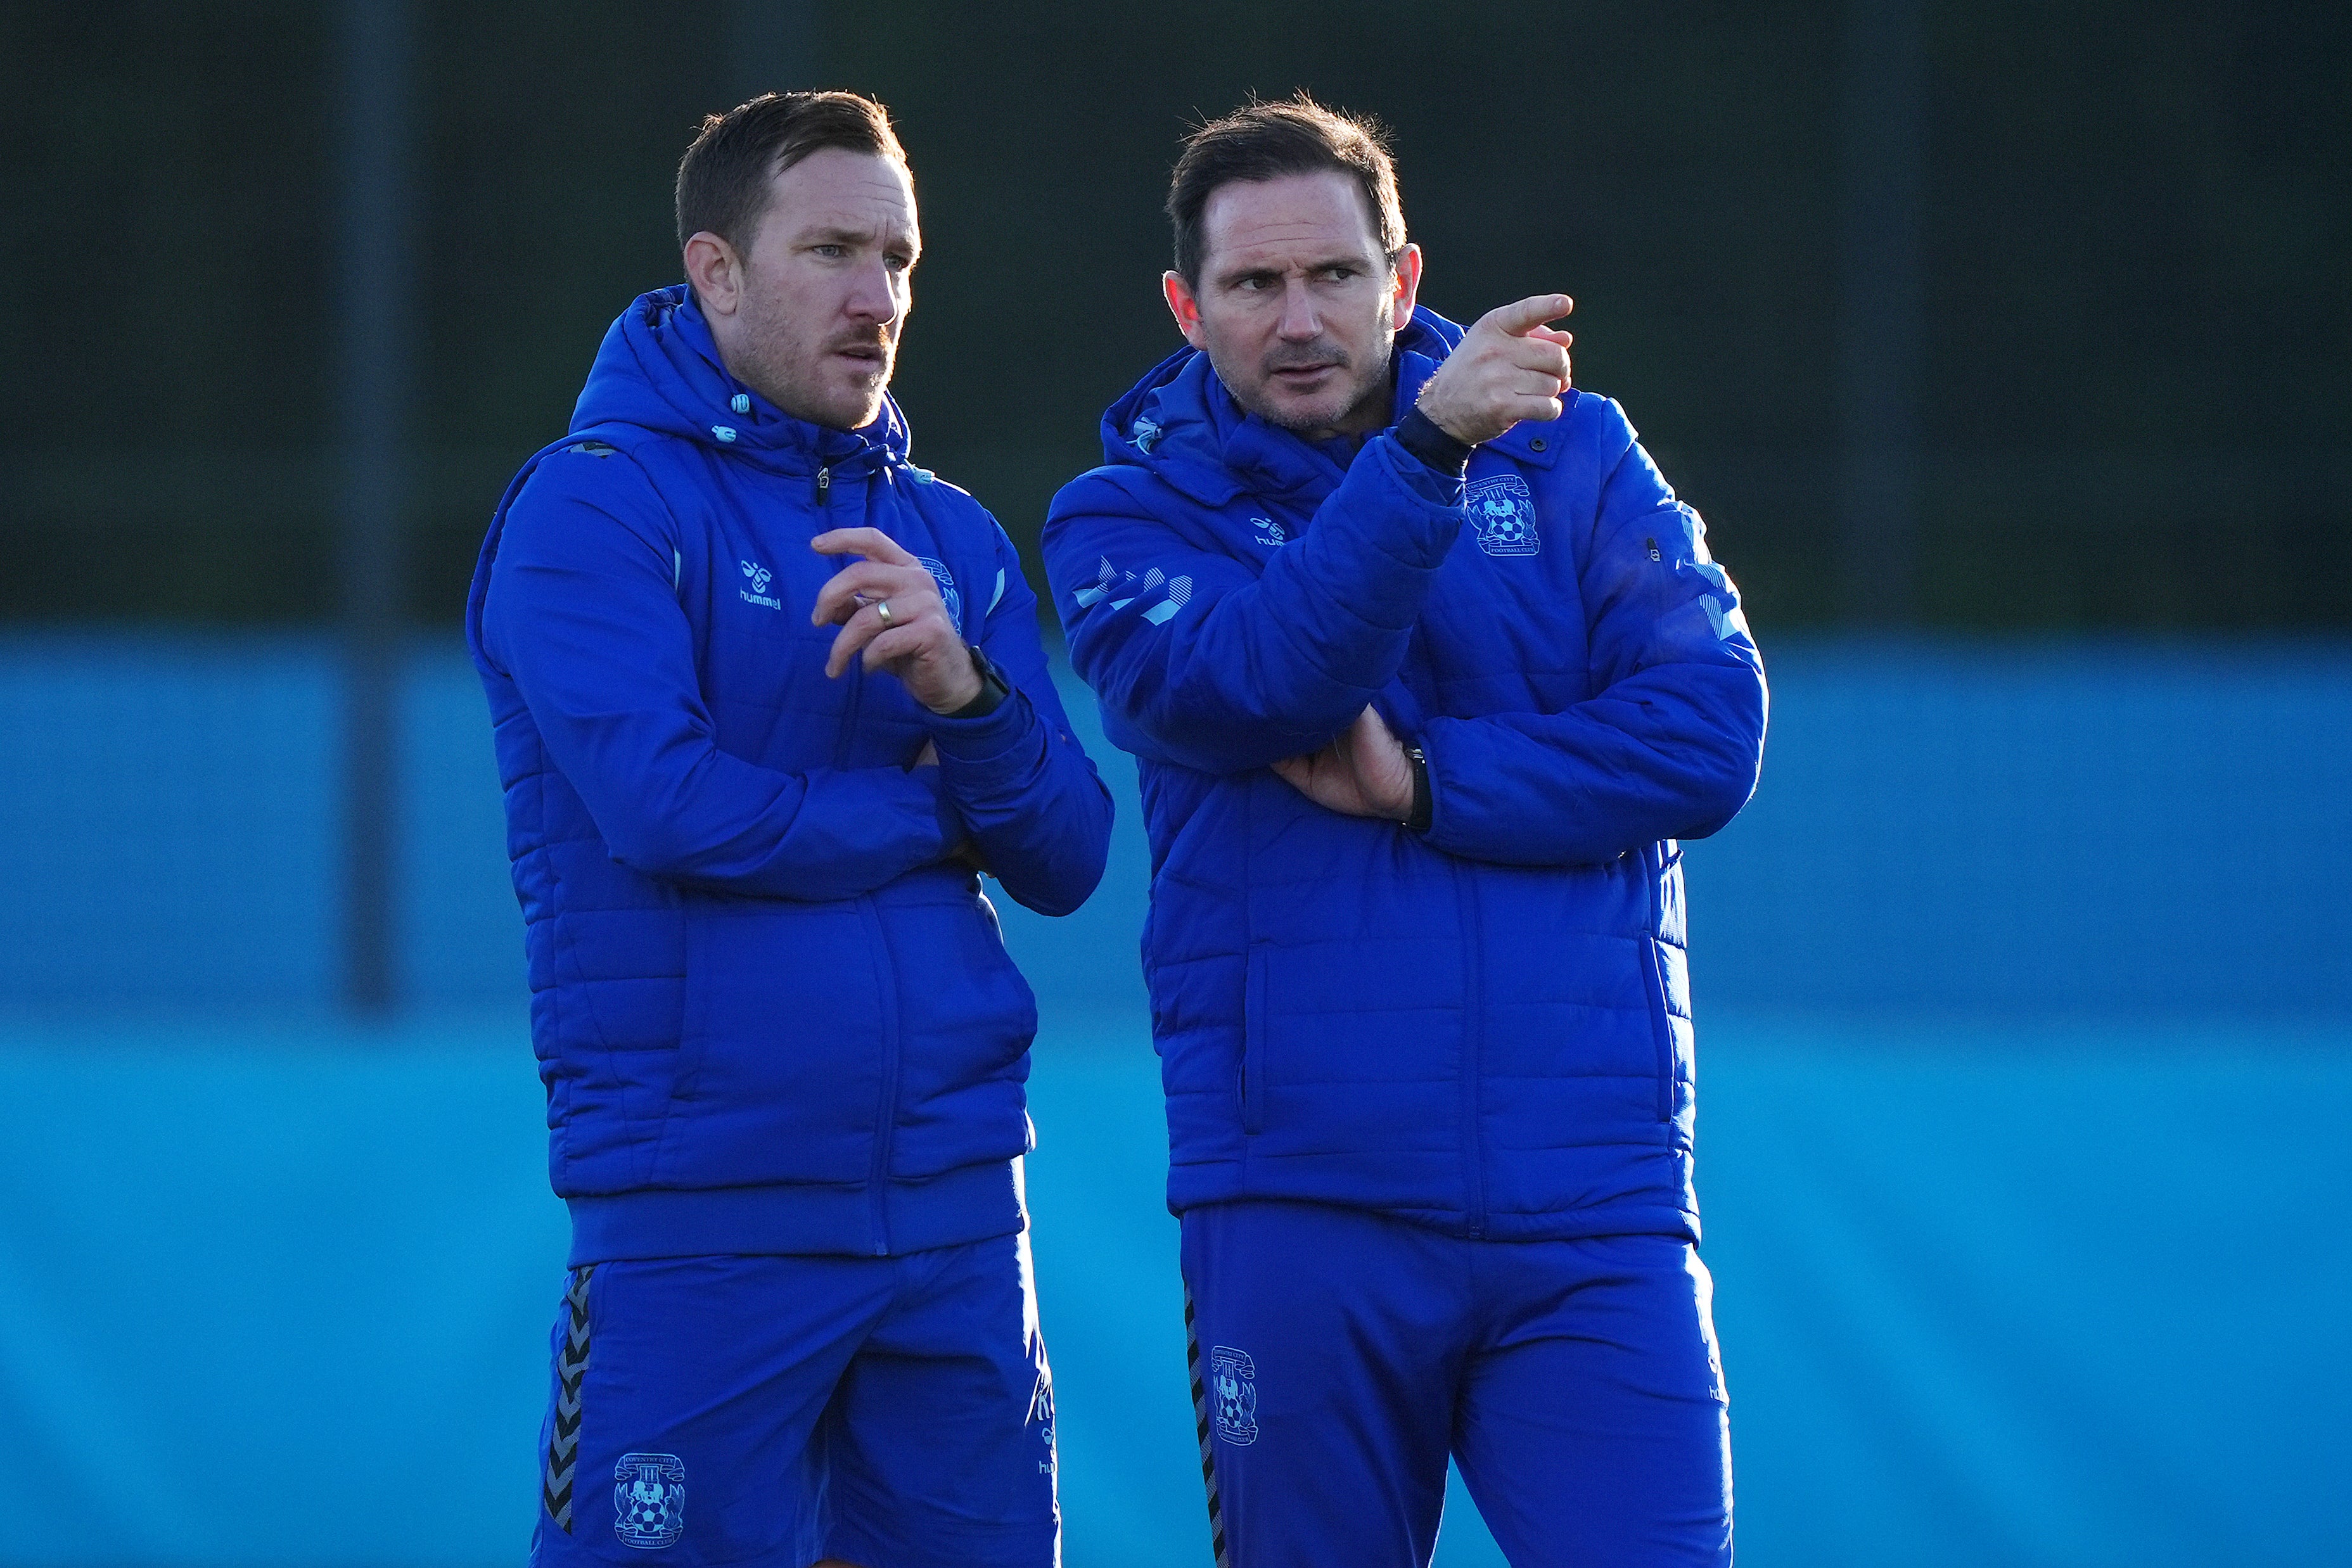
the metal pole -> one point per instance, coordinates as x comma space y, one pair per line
375, 384
772, 47
1879, 338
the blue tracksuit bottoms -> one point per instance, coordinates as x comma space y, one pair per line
1341, 1356
766, 1412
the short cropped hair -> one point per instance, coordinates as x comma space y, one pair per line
722, 181
1270, 141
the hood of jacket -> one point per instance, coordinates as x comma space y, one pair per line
1181, 423
658, 369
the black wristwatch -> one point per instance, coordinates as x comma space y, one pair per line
993, 688
1424, 807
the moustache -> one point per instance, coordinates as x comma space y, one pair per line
1307, 355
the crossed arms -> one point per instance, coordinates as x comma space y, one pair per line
1255, 669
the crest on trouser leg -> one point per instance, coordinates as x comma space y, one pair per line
1232, 1382
650, 1499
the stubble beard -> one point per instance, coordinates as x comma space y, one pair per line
805, 382
1368, 391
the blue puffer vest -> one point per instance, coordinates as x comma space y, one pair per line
1485, 1027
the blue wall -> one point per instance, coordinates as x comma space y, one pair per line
2086, 828
2144, 827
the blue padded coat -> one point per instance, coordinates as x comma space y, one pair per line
1485, 1027
771, 1014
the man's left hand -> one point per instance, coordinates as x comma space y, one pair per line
965, 851
887, 605
1364, 772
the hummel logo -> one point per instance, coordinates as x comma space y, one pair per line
757, 594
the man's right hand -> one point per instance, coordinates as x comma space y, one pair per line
1510, 367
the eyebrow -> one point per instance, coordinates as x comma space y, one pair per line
1227, 279
910, 243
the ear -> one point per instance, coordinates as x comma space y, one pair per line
1182, 305
716, 272
1408, 288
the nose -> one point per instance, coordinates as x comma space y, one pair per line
874, 294
1300, 324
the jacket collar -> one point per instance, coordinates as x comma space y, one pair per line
660, 370
1181, 423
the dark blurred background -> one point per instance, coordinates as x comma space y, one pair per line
2004, 346
2124, 329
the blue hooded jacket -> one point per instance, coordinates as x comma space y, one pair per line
1484, 1026
771, 1014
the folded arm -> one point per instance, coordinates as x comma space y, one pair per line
1669, 745
1200, 661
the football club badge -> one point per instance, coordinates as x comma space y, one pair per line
649, 1500
948, 594
1232, 1377
1504, 513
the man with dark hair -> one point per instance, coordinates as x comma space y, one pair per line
1427, 670
767, 697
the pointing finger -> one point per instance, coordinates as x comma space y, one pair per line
1520, 319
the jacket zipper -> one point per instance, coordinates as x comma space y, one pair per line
886, 1127
856, 674
1254, 1023
1472, 1041
1662, 1028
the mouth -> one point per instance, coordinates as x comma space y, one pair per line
1299, 377
865, 356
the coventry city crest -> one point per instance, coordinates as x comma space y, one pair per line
649, 1500
948, 594
1504, 513
1233, 1381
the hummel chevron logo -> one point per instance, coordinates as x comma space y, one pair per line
758, 592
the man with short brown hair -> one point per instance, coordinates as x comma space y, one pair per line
1426, 672
767, 695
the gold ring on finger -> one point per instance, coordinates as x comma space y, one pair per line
882, 611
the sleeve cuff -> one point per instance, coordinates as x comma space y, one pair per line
986, 736
1419, 435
